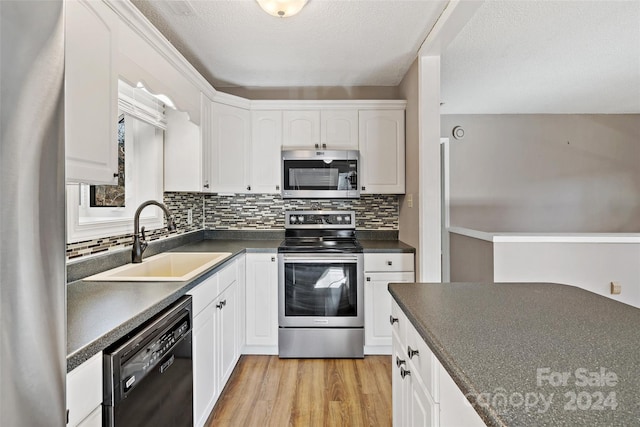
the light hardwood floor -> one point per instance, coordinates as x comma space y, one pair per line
269, 391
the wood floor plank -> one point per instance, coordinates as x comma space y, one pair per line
269, 391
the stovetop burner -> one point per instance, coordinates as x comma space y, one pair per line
320, 231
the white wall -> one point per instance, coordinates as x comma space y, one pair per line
590, 266
545, 173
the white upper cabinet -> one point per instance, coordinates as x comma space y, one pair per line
91, 93
266, 140
382, 151
339, 129
187, 150
301, 129
230, 145
328, 129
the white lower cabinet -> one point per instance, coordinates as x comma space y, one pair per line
423, 392
261, 303
215, 337
380, 270
84, 394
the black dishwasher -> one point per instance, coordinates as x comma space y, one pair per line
149, 374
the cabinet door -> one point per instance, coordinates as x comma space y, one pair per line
382, 151
399, 386
91, 93
204, 384
301, 129
182, 153
241, 322
339, 129
377, 308
206, 136
226, 306
262, 301
84, 390
266, 143
230, 145
423, 410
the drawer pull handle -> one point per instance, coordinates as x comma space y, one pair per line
400, 362
368, 279
404, 372
389, 262
411, 352
393, 320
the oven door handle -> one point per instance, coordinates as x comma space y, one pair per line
320, 259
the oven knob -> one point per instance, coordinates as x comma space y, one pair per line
339, 219
292, 219
301, 218
347, 219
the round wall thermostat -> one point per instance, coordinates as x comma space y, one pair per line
458, 132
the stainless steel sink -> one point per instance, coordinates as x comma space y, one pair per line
166, 267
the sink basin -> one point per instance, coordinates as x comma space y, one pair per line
166, 267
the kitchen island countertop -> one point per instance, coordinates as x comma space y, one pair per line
578, 350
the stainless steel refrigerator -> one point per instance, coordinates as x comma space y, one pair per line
32, 212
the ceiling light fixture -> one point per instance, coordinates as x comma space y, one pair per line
282, 8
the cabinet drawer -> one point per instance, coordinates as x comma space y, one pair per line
204, 294
84, 389
425, 362
227, 276
388, 262
398, 323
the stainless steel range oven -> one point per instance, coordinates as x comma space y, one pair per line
320, 287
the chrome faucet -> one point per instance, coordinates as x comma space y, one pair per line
139, 238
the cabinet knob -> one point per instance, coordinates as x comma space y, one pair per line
368, 279
277, 187
219, 305
404, 372
393, 320
389, 262
273, 259
400, 362
364, 188
317, 146
116, 174
411, 352
206, 186
248, 188
324, 145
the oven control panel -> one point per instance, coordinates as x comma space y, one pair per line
320, 219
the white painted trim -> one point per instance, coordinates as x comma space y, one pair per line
453, 18
141, 25
446, 209
430, 260
547, 237
232, 100
365, 104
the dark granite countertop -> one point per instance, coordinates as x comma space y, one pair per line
517, 339
100, 313
385, 246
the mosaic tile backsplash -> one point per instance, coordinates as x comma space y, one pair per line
247, 212
266, 211
178, 204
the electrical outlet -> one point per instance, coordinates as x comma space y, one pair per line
190, 216
410, 200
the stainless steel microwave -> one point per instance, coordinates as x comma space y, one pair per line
320, 174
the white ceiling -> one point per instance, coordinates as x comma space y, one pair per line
329, 43
545, 57
513, 56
